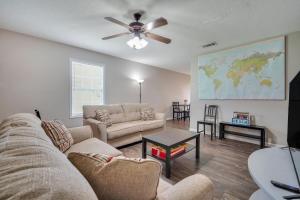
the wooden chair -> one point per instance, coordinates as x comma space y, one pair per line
210, 119
37, 113
186, 112
177, 112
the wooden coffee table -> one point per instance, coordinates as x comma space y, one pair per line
169, 139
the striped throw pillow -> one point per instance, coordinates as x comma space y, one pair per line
100, 158
103, 116
118, 177
88, 163
59, 134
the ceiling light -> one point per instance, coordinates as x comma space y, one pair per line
137, 43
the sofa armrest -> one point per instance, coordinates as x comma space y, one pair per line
161, 116
99, 129
195, 187
81, 133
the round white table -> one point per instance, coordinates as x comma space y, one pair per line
271, 164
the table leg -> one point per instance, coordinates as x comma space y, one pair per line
198, 147
168, 162
197, 127
144, 148
215, 130
262, 139
221, 131
211, 132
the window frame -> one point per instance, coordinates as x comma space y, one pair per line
71, 60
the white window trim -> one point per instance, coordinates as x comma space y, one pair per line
71, 60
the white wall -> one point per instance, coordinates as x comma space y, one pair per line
34, 73
272, 114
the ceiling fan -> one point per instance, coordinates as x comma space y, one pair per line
137, 29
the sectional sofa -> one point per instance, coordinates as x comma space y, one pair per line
31, 167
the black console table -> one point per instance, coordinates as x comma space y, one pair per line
253, 127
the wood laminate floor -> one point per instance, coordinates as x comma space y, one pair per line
223, 161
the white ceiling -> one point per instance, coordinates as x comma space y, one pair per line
192, 23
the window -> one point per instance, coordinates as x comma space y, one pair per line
87, 86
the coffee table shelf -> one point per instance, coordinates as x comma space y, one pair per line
168, 139
189, 148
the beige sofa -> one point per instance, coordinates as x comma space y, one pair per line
31, 167
127, 126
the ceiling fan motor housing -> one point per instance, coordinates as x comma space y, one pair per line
136, 26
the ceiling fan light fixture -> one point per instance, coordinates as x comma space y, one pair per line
137, 43
138, 28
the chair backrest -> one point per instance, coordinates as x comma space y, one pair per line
188, 107
175, 105
210, 111
37, 113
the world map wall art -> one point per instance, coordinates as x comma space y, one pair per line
255, 71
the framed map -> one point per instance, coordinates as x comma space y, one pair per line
255, 71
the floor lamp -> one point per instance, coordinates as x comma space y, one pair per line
140, 83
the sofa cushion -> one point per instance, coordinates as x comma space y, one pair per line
126, 128
133, 116
163, 186
121, 129
151, 124
121, 178
31, 167
116, 112
192, 187
133, 110
102, 115
23, 120
94, 145
59, 134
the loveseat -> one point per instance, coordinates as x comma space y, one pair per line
127, 125
31, 167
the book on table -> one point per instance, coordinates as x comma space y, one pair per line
161, 152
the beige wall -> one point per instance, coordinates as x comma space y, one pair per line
34, 73
272, 114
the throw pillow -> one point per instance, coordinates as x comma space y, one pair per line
87, 162
59, 134
147, 113
102, 115
119, 178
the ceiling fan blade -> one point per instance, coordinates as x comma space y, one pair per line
158, 37
113, 20
116, 35
156, 23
